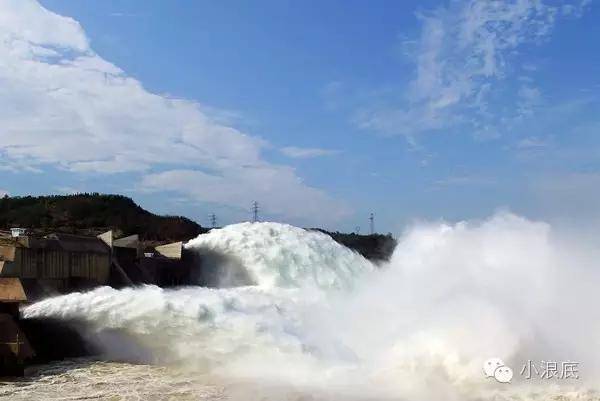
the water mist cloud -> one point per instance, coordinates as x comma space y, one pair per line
418, 328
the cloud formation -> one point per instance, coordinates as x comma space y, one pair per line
463, 52
307, 153
276, 187
62, 105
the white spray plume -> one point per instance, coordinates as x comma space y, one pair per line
418, 328
280, 255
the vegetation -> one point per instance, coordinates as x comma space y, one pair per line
376, 247
92, 214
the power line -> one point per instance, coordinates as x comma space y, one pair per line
213, 220
372, 223
255, 211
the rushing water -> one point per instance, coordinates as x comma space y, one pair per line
83, 379
309, 319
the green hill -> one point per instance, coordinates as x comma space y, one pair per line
375, 247
92, 214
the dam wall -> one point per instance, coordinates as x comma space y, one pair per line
33, 268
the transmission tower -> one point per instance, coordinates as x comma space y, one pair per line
372, 223
213, 220
255, 211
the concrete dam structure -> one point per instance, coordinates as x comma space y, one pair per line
33, 268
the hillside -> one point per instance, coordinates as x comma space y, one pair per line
375, 247
92, 214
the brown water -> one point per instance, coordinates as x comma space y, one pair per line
85, 379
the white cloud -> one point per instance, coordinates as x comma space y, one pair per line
3, 193
276, 188
575, 10
123, 15
532, 142
25, 25
63, 105
463, 51
529, 97
464, 180
305, 153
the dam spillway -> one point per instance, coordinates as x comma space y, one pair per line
39, 267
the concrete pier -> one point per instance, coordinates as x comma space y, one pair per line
15, 349
33, 268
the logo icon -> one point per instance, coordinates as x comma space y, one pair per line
495, 367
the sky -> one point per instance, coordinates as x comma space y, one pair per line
322, 112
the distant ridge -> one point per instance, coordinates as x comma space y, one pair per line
375, 247
92, 214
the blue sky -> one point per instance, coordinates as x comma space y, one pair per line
323, 112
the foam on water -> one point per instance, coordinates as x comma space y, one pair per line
320, 318
84, 379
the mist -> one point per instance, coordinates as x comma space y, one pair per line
320, 319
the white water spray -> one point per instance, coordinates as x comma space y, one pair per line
321, 318
279, 255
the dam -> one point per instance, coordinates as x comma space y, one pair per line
319, 318
37, 267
